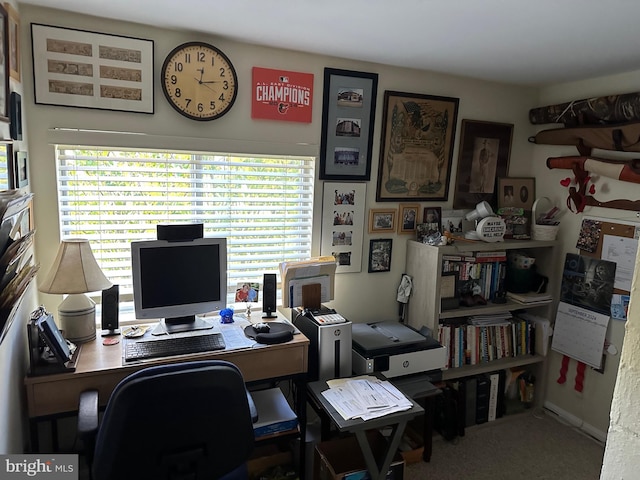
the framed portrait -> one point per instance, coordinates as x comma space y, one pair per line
382, 220
516, 192
77, 68
348, 113
4, 68
408, 217
380, 255
483, 156
432, 218
416, 150
343, 224
13, 30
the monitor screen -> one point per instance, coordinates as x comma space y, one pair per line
178, 280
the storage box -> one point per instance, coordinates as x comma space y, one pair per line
411, 446
265, 457
342, 459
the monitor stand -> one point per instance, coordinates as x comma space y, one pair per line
181, 324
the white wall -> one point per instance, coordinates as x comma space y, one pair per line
591, 407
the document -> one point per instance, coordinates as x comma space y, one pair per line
365, 397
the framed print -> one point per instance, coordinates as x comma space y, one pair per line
348, 113
77, 68
449, 291
13, 29
453, 221
20, 170
382, 220
408, 218
432, 217
483, 156
343, 224
416, 150
15, 116
516, 192
380, 255
4, 69
6, 166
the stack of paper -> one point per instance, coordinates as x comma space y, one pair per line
365, 397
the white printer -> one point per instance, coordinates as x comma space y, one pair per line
394, 350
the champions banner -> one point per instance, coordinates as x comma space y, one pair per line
282, 95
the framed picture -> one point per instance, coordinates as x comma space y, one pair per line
13, 29
6, 169
4, 69
408, 218
20, 170
483, 156
432, 217
15, 116
380, 255
77, 68
453, 221
348, 113
416, 151
449, 291
516, 192
382, 220
343, 224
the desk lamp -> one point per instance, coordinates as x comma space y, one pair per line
75, 272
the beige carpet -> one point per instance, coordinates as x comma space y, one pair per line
533, 445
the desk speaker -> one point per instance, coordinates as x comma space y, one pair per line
110, 310
269, 295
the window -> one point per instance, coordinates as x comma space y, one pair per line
262, 205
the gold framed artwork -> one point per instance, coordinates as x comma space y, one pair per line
418, 133
13, 28
382, 220
408, 217
516, 192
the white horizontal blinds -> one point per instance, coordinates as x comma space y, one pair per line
262, 205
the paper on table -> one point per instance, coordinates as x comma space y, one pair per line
365, 397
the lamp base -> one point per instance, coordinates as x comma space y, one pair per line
77, 316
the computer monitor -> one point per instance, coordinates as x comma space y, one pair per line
175, 281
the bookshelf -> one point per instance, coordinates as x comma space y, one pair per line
425, 309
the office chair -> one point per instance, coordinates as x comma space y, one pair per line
187, 420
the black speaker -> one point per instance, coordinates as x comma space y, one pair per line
110, 310
177, 232
269, 295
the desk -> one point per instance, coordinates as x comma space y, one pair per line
398, 422
100, 367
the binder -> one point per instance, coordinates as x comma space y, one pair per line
482, 398
470, 401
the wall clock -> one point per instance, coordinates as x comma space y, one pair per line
199, 81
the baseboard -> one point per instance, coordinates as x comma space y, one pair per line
577, 422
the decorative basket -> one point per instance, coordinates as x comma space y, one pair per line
542, 232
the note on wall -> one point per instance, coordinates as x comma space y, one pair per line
579, 333
622, 251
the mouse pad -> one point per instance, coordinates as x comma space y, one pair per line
276, 327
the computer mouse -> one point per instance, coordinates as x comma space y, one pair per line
261, 327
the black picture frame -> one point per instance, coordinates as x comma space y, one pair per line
416, 150
348, 115
15, 116
20, 170
380, 255
449, 290
475, 179
4, 73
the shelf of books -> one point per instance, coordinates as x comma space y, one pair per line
474, 306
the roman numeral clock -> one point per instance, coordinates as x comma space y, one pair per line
199, 81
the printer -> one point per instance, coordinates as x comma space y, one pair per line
394, 349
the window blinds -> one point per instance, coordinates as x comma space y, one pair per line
262, 205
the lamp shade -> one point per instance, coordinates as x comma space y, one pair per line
74, 270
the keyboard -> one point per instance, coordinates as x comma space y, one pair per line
173, 346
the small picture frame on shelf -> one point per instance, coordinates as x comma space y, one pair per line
20, 170
449, 298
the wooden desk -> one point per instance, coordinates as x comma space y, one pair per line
101, 367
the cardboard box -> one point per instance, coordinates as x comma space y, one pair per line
342, 459
265, 457
411, 446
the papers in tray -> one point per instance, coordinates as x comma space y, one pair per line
365, 397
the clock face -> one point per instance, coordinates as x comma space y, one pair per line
199, 81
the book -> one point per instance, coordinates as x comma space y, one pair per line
494, 378
274, 413
470, 401
529, 298
482, 398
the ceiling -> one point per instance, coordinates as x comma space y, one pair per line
523, 42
